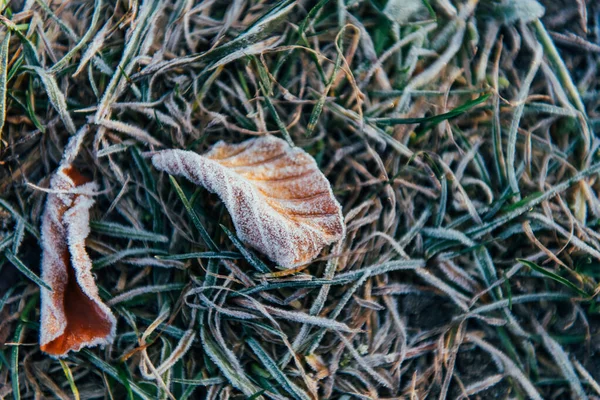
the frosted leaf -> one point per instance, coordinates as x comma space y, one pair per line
72, 315
280, 202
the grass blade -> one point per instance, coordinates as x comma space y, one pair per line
554, 276
193, 216
433, 120
248, 254
238, 381
119, 255
113, 372
56, 96
61, 64
121, 231
3, 78
70, 379
14, 362
14, 260
226, 255
562, 361
18, 216
275, 372
18, 235
511, 368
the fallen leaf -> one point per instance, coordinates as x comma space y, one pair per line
72, 316
280, 202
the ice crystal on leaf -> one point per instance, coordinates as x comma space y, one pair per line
72, 316
280, 202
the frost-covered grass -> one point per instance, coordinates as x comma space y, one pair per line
459, 137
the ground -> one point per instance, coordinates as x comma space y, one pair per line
459, 137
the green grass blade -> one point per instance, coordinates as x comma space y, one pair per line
225, 255
14, 260
14, 362
239, 381
113, 372
275, 372
18, 217
265, 87
193, 216
241, 46
56, 97
200, 382
70, 379
6, 241
4, 298
433, 120
318, 109
28, 48
554, 276
145, 19
18, 235
126, 232
62, 63
248, 254
150, 185
3, 78
478, 231
119, 255
516, 119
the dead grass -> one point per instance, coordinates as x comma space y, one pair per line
459, 137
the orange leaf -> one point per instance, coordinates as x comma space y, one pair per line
73, 315
280, 202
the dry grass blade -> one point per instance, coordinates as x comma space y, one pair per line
302, 318
237, 380
83, 41
562, 362
511, 368
146, 17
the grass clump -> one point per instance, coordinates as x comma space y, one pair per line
459, 137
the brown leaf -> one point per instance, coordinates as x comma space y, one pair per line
73, 315
280, 202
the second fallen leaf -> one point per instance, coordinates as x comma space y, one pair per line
72, 315
280, 202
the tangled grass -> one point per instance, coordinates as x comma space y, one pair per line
459, 137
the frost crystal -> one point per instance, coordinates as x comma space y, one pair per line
73, 315
280, 202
